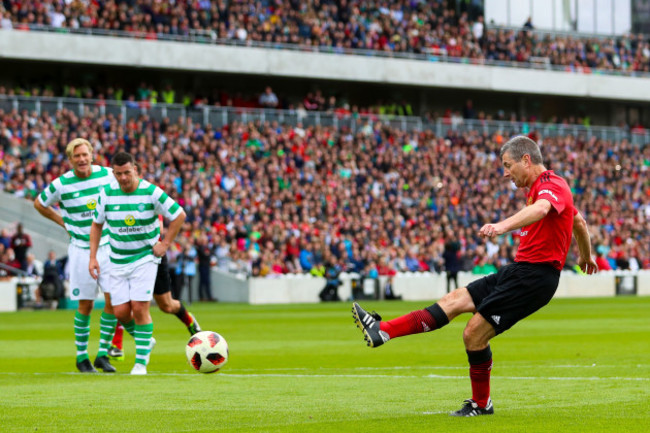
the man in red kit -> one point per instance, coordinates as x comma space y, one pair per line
500, 300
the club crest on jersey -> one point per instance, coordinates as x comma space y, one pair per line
141, 207
91, 204
530, 201
129, 220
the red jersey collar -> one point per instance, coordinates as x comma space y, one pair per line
539, 177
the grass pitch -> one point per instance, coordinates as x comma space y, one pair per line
575, 366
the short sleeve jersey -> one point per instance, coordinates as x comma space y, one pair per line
548, 240
77, 199
132, 222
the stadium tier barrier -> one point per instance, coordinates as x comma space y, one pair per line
205, 37
219, 117
112, 50
13, 290
411, 286
45, 234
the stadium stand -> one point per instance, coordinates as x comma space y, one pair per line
426, 29
325, 185
276, 197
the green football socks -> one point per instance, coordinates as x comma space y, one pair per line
143, 343
130, 327
81, 335
107, 324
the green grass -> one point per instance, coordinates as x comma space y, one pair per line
575, 366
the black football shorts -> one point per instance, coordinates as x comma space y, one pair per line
516, 291
163, 281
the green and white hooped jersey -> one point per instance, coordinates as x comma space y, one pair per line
132, 222
77, 200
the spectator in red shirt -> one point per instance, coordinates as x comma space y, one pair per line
601, 261
21, 242
9, 258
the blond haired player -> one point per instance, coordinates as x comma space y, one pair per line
76, 193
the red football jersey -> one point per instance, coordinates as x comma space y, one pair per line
548, 240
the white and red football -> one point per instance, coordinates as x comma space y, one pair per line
207, 352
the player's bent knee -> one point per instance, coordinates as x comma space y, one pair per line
477, 333
108, 308
468, 336
122, 313
165, 303
85, 307
165, 308
457, 302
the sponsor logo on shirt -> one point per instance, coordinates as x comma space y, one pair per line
129, 220
549, 192
130, 229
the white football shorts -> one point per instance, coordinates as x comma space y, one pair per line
82, 285
132, 283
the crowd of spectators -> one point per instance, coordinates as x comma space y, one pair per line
268, 199
402, 26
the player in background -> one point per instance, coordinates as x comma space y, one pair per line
129, 208
162, 294
76, 192
500, 300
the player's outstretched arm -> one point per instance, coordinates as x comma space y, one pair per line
581, 233
524, 217
48, 213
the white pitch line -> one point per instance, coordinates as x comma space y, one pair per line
560, 378
359, 376
402, 367
434, 376
417, 367
438, 367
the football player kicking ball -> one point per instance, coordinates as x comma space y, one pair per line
76, 192
163, 297
500, 300
129, 208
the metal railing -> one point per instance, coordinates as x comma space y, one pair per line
222, 116
10, 270
210, 37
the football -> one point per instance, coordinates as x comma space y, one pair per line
207, 352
